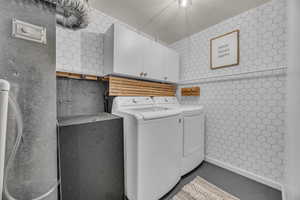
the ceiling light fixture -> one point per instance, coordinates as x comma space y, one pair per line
184, 3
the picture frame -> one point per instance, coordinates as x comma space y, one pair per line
225, 50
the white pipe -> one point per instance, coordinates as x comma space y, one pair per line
292, 179
10, 161
4, 89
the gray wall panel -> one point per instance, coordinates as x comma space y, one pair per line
30, 68
79, 97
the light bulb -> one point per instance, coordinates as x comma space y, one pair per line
184, 3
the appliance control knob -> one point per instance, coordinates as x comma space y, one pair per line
145, 74
142, 73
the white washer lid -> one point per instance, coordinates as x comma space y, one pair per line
4, 85
143, 114
159, 115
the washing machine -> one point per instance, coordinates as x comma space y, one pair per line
193, 131
152, 146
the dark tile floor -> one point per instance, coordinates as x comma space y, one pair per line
237, 185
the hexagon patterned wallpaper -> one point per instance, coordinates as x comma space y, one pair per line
245, 104
81, 51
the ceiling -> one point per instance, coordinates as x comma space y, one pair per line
167, 22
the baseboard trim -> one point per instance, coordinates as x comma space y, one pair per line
245, 173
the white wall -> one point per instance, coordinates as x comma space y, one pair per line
292, 183
245, 125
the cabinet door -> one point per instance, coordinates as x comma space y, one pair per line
154, 60
129, 52
193, 139
171, 65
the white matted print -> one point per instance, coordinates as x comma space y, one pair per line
224, 50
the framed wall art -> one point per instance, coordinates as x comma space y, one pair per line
225, 50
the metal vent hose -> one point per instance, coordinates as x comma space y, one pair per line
72, 14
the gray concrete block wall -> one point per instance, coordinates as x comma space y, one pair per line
30, 68
79, 97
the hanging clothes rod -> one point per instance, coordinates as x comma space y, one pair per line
201, 79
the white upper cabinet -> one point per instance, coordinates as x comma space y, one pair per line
154, 60
129, 51
130, 54
172, 66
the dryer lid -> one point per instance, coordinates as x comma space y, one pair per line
190, 109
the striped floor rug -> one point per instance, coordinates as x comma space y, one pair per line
200, 189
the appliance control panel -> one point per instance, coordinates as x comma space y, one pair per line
133, 101
165, 100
